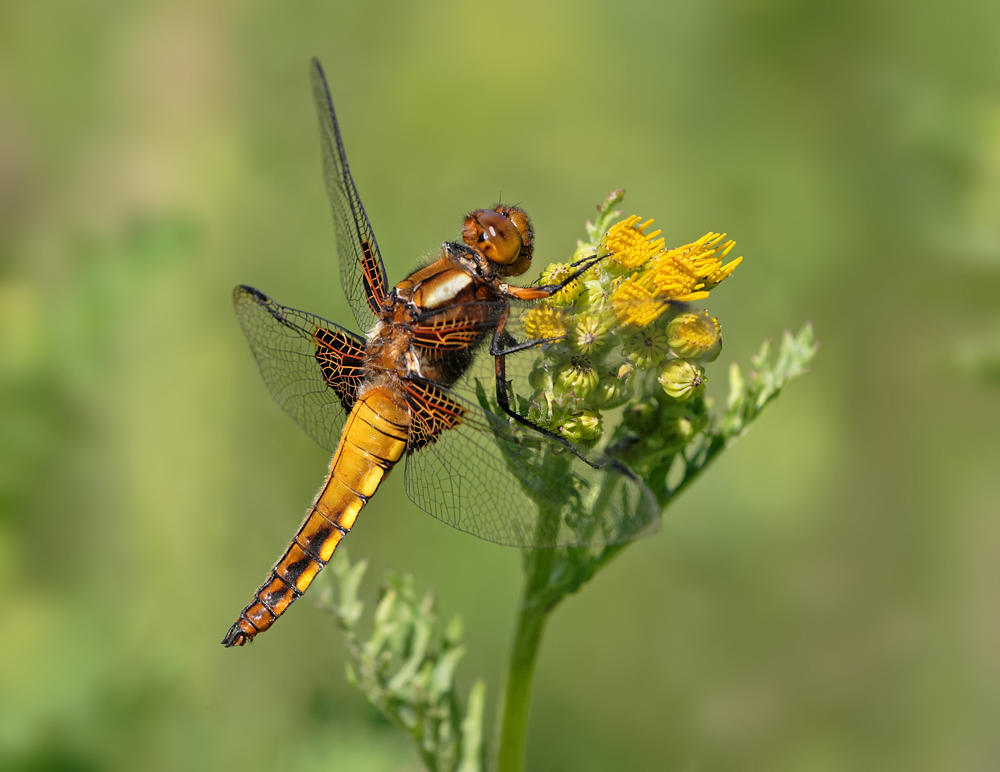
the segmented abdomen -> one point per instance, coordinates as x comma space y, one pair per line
373, 440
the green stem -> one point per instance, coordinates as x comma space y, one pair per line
531, 620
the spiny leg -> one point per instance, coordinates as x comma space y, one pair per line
499, 352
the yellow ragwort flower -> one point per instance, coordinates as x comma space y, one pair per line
628, 245
690, 271
542, 323
634, 304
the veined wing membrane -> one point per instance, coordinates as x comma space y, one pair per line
312, 367
473, 470
362, 273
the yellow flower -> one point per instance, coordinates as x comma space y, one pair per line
693, 335
634, 304
628, 245
682, 379
555, 273
690, 271
542, 323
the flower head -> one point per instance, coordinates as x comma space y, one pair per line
578, 377
682, 379
583, 426
556, 273
541, 323
689, 272
646, 348
694, 335
628, 303
628, 245
589, 333
635, 305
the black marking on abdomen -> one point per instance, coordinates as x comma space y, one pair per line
273, 597
295, 570
313, 544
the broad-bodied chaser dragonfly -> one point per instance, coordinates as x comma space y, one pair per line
404, 390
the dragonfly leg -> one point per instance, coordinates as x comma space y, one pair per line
548, 290
513, 349
500, 337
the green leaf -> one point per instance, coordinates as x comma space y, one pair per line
406, 666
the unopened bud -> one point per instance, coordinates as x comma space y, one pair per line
646, 348
579, 377
682, 379
611, 391
582, 427
589, 333
695, 335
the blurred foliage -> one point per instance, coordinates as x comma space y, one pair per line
826, 602
406, 667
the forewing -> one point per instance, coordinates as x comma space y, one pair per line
474, 470
362, 273
312, 367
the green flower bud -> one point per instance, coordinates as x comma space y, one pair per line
643, 417
682, 379
611, 392
595, 294
589, 333
646, 348
583, 427
540, 377
678, 430
578, 377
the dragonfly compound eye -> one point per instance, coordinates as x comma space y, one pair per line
494, 235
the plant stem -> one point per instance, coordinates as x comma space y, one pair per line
520, 675
532, 614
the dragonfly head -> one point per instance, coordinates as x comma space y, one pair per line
503, 235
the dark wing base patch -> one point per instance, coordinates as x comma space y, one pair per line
341, 358
432, 411
312, 367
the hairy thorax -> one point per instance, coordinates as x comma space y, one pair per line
406, 344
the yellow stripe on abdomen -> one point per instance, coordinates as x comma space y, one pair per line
373, 440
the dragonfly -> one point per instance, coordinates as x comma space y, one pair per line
405, 390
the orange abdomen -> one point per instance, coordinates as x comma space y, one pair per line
373, 440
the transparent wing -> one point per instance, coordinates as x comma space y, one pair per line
362, 273
482, 474
312, 367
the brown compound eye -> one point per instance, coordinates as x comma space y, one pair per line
495, 235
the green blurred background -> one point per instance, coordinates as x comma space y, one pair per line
825, 598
